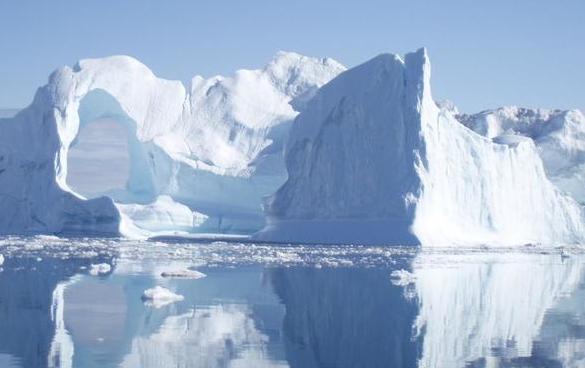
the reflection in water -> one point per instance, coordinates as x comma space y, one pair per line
459, 310
228, 319
345, 317
27, 294
61, 352
488, 310
216, 336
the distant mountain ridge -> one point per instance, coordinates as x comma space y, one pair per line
8, 113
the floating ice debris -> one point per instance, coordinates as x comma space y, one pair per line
402, 278
187, 274
48, 237
100, 269
34, 246
1, 259
159, 296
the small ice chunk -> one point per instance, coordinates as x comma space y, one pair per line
1, 259
99, 269
402, 278
47, 237
186, 274
159, 296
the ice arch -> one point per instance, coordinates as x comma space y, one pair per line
215, 148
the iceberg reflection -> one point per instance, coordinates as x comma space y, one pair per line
345, 317
425, 309
30, 314
489, 309
217, 336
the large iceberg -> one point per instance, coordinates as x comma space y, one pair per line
203, 157
373, 159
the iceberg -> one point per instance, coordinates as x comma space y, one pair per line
301, 150
201, 158
373, 159
559, 136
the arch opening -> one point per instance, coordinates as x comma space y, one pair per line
98, 160
106, 158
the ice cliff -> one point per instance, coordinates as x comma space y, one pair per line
559, 137
200, 158
372, 159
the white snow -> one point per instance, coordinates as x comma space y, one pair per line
159, 296
99, 269
372, 159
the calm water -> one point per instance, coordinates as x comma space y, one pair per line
277, 306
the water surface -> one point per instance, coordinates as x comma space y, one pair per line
288, 306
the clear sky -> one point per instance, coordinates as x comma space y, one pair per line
484, 53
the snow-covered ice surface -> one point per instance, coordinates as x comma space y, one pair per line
558, 135
213, 147
372, 159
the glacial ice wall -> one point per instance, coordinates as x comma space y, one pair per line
559, 136
372, 159
214, 149
31, 194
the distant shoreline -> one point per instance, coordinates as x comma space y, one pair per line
8, 113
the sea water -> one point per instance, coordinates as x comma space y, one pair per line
81, 303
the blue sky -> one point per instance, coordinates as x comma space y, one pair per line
484, 53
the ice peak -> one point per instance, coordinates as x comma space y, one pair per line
123, 63
291, 59
448, 105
